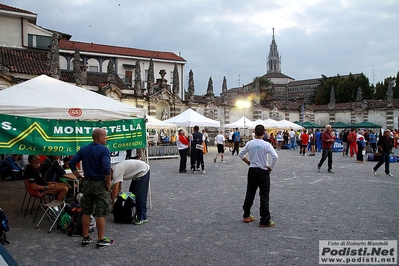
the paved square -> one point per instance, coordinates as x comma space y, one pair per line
196, 219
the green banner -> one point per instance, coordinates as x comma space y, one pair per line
25, 135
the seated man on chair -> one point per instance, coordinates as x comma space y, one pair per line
37, 181
51, 169
9, 167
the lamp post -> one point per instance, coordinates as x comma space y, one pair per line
243, 104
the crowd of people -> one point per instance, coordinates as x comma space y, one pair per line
259, 153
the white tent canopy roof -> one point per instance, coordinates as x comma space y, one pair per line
243, 122
156, 123
45, 97
270, 123
285, 124
190, 118
257, 122
274, 124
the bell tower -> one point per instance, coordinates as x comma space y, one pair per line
274, 59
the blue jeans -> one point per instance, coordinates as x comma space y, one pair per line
258, 178
384, 159
139, 188
292, 144
318, 145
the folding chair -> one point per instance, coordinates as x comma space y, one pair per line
53, 211
35, 194
23, 202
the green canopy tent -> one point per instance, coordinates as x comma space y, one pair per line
340, 125
312, 125
308, 124
365, 124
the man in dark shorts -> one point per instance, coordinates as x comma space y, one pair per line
96, 162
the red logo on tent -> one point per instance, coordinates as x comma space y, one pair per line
75, 112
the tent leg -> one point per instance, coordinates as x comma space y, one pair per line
149, 184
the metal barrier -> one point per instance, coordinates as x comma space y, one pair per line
159, 152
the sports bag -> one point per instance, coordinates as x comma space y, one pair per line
74, 225
123, 208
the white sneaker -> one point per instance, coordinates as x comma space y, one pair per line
389, 174
374, 172
203, 171
223, 162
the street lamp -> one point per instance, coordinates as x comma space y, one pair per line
243, 104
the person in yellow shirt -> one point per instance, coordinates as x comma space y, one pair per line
173, 139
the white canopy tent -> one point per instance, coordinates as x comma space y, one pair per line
285, 124
49, 98
256, 122
270, 123
156, 123
243, 122
191, 118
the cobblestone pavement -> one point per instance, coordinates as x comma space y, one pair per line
196, 219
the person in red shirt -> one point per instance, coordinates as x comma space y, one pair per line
352, 136
183, 145
327, 141
305, 142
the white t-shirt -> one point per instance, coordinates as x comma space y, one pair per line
128, 170
220, 139
231, 135
258, 149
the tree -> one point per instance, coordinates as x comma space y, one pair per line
324, 89
367, 90
396, 88
265, 88
345, 88
382, 88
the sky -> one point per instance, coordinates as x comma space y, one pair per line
231, 38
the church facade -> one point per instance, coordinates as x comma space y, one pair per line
154, 80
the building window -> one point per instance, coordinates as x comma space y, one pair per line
93, 68
37, 41
128, 78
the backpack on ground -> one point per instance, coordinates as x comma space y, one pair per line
71, 220
3, 227
123, 208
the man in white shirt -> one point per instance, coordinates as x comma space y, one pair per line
230, 140
219, 141
258, 176
206, 140
139, 172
